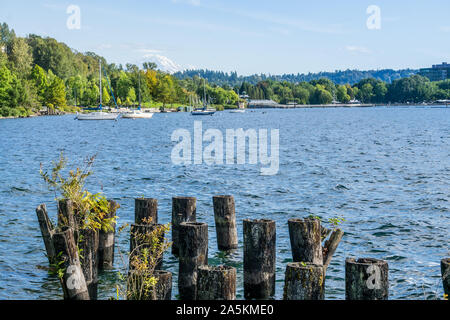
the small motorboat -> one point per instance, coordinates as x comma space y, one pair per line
137, 114
203, 112
237, 111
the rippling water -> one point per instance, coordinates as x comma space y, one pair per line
386, 170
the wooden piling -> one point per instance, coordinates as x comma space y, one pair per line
88, 244
47, 231
183, 210
193, 252
225, 219
66, 215
139, 240
445, 271
259, 258
106, 242
145, 209
216, 283
366, 279
163, 288
73, 282
136, 290
304, 281
306, 240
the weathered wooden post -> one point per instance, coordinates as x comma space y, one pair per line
193, 252
73, 282
88, 243
47, 231
66, 216
225, 218
107, 240
136, 289
164, 285
306, 240
366, 279
304, 281
445, 271
216, 283
145, 208
140, 239
184, 209
259, 258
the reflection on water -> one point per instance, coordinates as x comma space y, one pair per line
385, 170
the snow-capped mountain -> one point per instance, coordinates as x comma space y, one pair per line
163, 63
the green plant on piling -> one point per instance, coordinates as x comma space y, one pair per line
140, 280
90, 210
56, 268
336, 221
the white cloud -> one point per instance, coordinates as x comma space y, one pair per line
357, 49
445, 29
195, 3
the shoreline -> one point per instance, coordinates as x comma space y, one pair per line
276, 106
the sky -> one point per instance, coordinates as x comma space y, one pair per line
247, 36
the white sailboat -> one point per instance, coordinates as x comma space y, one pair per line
98, 115
203, 111
138, 114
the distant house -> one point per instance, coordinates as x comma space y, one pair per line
262, 103
437, 72
3, 49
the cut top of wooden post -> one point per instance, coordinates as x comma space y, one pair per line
306, 240
145, 208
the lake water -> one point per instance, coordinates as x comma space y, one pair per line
386, 170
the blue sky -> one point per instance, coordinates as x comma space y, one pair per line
244, 35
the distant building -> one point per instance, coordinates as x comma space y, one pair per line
437, 72
2, 48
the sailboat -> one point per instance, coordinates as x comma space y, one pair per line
99, 115
138, 114
203, 111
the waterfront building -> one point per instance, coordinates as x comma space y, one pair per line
437, 72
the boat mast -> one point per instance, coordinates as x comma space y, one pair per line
139, 89
204, 93
100, 89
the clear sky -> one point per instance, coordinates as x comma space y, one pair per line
248, 36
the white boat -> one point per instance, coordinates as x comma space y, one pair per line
99, 115
237, 111
202, 112
137, 114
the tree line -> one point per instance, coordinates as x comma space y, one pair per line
338, 77
413, 89
37, 71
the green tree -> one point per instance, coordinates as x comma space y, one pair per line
342, 95
56, 92
20, 57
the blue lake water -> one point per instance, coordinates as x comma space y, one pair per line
386, 170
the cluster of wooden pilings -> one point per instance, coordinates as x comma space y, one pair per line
76, 254
365, 278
